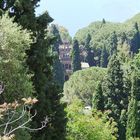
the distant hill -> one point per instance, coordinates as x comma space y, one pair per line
101, 35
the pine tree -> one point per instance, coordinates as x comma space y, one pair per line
98, 98
115, 98
76, 64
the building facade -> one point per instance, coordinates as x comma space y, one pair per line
64, 56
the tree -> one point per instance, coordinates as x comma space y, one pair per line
135, 42
82, 84
115, 98
133, 121
113, 43
98, 98
56, 129
41, 61
14, 42
104, 58
14, 72
58, 71
12, 120
40, 58
76, 64
103, 21
87, 126
23, 11
90, 55
55, 32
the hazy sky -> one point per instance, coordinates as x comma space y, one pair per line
75, 14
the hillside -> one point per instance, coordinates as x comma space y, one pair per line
103, 32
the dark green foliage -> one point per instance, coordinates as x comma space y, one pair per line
55, 32
98, 98
104, 58
135, 42
76, 63
22, 10
58, 71
103, 21
57, 115
90, 53
115, 98
53, 109
41, 61
133, 122
90, 57
113, 43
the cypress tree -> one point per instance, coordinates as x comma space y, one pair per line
115, 98
76, 64
113, 43
135, 42
98, 98
103, 21
55, 32
58, 71
22, 10
56, 128
90, 55
104, 58
48, 93
133, 121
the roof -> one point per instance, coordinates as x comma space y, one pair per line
84, 65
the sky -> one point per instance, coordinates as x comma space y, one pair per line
76, 14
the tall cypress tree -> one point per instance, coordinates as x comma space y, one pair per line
104, 57
48, 93
90, 54
58, 71
115, 98
133, 121
98, 98
76, 64
113, 43
135, 42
